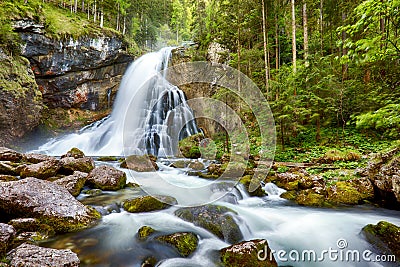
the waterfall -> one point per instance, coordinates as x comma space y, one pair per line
150, 115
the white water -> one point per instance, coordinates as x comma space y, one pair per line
149, 116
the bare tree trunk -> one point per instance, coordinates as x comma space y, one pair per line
276, 43
94, 11
101, 18
321, 18
118, 28
76, 6
124, 27
265, 47
83, 6
344, 49
294, 50
305, 33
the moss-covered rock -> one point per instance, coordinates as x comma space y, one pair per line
106, 178
148, 203
70, 164
309, 197
216, 219
384, 236
107, 158
74, 153
7, 154
73, 183
42, 170
189, 147
185, 243
7, 235
144, 163
247, 253
196, 165
180, 164
350, 192
259, 192
7, 178
46, 201
144, 232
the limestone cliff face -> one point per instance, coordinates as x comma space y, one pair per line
69, 76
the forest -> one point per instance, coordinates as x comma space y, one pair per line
329, 68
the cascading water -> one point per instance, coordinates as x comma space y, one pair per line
152, 112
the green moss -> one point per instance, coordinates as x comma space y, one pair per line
107, 158
147, 203
246, 180
189, 146
289, 195
385, 236
310, 198
144, 232
185, 243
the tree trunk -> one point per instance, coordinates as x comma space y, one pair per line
101, 18
94, 11
276, 43
265, 48
118, 27
305, 33
321, 18
294, 50
76, 6
83, 6
124, 27
344, 49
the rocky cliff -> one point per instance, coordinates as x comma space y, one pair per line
68, 76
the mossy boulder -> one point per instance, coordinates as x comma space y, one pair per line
148, 203
7, 154
70, 164
6, 168
189, 146
7, 178
247, 253
180, 164
74, 153
107, 158
384, 236
350, 192
185, 243
309, 197
73, 183
36, 158
46, 201
259, 192
144, 232
140, 163
41, 170
196, 165
106, 178
216, 219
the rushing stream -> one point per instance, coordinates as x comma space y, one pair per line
286, 226
113, 241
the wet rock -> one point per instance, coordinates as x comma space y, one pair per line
37, 158
350, 192
216, 219
259, 192
148, 203
93, 192
48, 202
75, 153
196, 165
107, 178
384, 236
7, 235
31, 255
31, 225
149, 262
185, 243
7, 169
247, 253
145, 163
180, 164
73, 183
308, 197
189, 147
287, 180
144, 232
7, 154
42, 170
71, 164
384, 172
7, 178
107, 158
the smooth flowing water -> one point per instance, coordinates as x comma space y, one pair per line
152, 115
287, 227
149, 115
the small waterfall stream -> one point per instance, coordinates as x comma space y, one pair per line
149, 114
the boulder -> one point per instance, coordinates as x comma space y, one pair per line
7, 154
248, 253
42, 170
36, 158
74, 153
7, 235
196, 165
259, 192
48, 202
71, 164
216, 219
31, 255
350, 192
307, 197
148, 203
144, 232
189, 147
145, 163
107, 178
7, 178
29, 225
73, 183
180, 164
7, 169
384, 236
384, 172
185, 243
